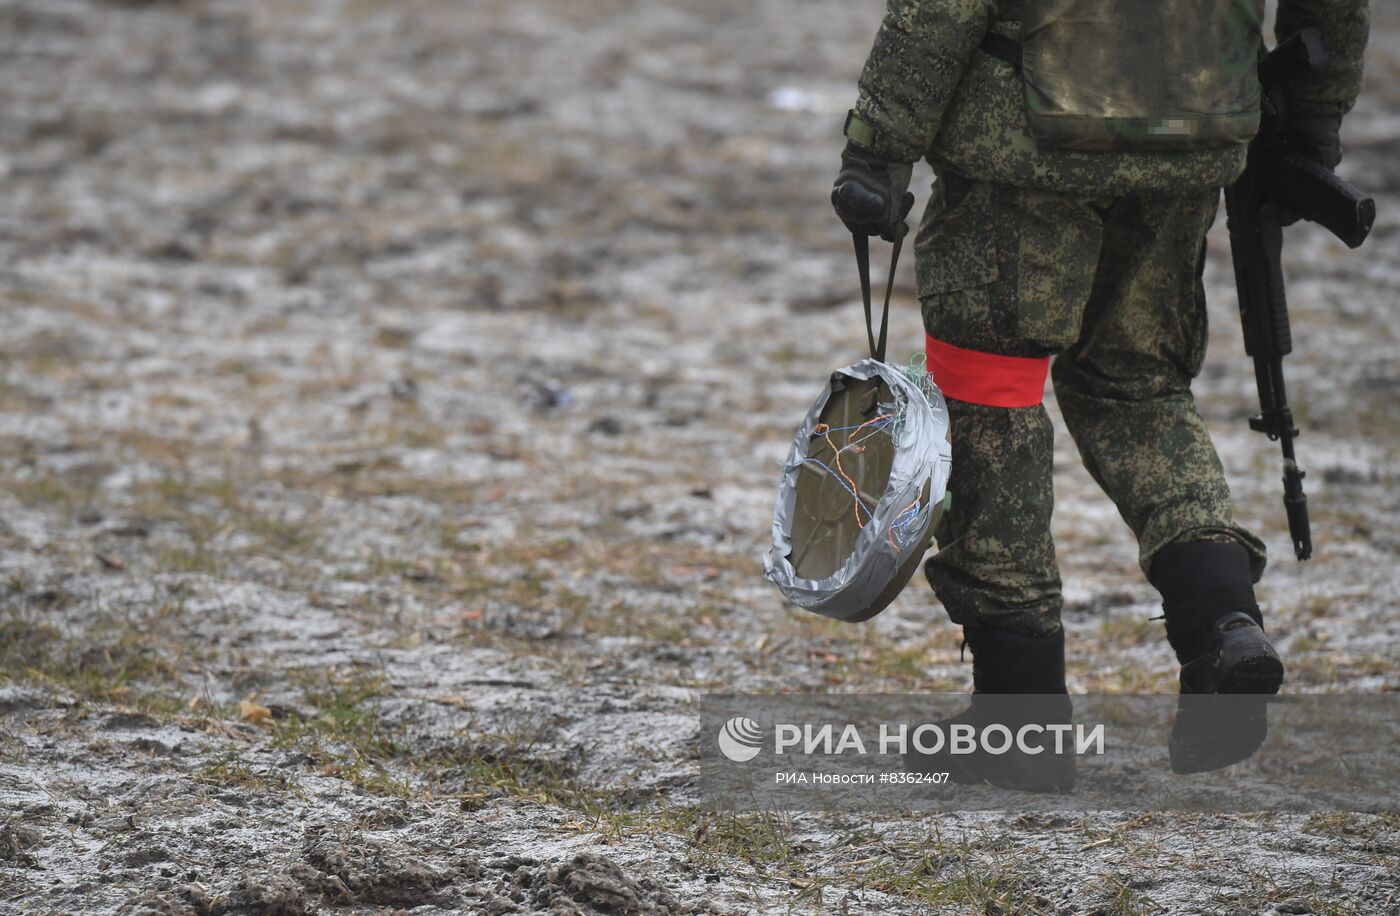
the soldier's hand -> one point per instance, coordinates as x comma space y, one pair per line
871, 195
1318, 138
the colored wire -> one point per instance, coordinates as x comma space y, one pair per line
829, 470
853, 488
900, 526
881, 418
889, 423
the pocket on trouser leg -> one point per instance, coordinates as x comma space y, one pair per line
956, 257
1057, 243
1145, 332
1199, 331
1005, 270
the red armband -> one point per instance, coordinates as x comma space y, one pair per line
986, 378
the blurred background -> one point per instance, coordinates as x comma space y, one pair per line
391, 400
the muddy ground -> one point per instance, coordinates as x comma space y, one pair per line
391, 400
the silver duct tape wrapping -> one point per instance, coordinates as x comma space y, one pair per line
879, 564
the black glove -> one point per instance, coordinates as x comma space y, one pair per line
1317, 138
871, 195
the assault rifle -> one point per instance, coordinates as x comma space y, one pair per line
1279, 186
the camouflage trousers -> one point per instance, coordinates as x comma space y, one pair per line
1112, 289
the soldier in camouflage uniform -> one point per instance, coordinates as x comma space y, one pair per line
1089, 252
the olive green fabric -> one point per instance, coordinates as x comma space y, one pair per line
928, 91
1112, 285
1174, 75
919, 55
1030, 250
984, 135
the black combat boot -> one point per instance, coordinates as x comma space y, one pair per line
1018, 680
1228, 668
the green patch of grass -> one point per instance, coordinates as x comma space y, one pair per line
763, 838
195, 559
984, 876
346, 736
56, 302
343, 732
1329, 669
232, 771
44, 489
1307, 898
1123, 679
339, 725
250, 373
394, 338
1366, 830
1123, 900
209, 509
368, 776
343, 711
122, 667
1130, 629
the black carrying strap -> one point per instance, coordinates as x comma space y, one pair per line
1007, 49
862, 243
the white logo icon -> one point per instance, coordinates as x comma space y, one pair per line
741, 739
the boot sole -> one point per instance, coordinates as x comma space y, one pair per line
1259, 674
1235, 729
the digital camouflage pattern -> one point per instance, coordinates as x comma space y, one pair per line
1179, 74
1112, 286
927, 90
1345, 26
1091, 256
984, 135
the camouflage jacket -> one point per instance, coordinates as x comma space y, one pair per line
928, 91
